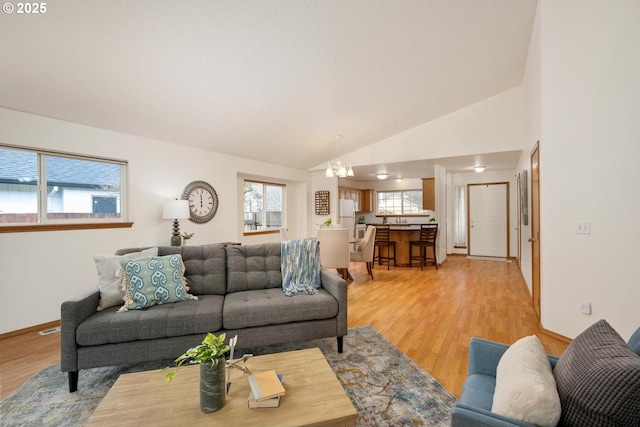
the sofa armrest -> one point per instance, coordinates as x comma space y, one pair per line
72, 313
634, 341
484, 356
337, 287
467, 416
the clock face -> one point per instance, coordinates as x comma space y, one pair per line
203, 201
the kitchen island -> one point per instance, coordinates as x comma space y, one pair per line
403, 234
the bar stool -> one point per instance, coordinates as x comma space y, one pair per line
428, 234
382, 241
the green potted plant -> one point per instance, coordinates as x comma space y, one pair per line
210, 356
186, 237
327, 223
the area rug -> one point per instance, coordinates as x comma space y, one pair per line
385, 386
487, 258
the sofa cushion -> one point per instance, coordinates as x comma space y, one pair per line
206, 266
252, 267
525, 387
270, 307
598, 379
160, 321
206, 269
151, 281
111, 292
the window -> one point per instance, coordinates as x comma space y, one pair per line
460, 232
39, 187
408, 202
263, 204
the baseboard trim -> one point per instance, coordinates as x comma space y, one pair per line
555, 335
30, 329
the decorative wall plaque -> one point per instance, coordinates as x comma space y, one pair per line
322, 203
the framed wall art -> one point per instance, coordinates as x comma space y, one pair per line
323, 204
524, 198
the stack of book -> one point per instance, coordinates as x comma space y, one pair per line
266, 390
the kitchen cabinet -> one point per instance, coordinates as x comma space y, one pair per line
366, 200
429, 194
362, 199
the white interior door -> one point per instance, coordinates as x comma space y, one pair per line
488, 220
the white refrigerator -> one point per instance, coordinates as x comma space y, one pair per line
347, 216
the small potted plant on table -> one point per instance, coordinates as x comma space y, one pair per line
210, 356
186, 237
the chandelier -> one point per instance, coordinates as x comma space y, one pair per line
338, 169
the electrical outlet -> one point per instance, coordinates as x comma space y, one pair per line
586, 307
583, 228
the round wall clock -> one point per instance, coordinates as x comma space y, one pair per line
203, 201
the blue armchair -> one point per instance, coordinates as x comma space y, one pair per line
474, 406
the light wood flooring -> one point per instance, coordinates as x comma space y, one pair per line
430, 315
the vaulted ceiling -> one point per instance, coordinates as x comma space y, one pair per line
272, 80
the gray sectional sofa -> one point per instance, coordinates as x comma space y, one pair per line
239, 290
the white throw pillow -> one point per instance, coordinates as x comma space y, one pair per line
111, 293
525, 387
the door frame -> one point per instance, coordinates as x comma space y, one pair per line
469, 213
534, 239
519, 221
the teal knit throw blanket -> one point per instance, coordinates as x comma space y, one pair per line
300, 266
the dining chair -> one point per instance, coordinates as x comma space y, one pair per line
428, 234
364, 253
383, 233
334, 249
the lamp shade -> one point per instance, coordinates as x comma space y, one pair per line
176, 209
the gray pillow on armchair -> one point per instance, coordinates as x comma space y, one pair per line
598, 379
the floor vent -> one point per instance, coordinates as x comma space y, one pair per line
50, 331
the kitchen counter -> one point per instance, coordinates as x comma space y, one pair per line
404, 227
402, 234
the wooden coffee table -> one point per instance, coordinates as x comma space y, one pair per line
314, 397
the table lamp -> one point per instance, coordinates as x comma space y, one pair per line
176, 209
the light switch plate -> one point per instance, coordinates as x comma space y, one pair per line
583, 228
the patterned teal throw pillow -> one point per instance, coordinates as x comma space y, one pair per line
150, 281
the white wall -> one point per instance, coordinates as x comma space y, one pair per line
492, 125
42, 269
319, 182
589, 160
532, 131
442, 213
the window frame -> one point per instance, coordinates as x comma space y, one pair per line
264, 213
383, 214
43, 223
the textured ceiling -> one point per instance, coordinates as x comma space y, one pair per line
263, 79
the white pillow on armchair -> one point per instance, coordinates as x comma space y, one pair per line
525, 386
